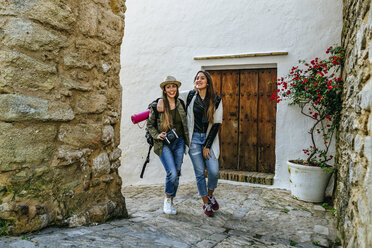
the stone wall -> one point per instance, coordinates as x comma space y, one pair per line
354, 149
60, 105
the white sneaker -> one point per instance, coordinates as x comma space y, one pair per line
167, 206
173, 209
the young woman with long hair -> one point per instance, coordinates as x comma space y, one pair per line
204, 118
172, 117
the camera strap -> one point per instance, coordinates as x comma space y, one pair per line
146, 162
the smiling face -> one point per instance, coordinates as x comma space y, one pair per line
171, 90
201, 81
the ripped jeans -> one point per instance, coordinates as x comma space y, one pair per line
199, 163
172, 158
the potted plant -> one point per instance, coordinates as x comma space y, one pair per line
315, 87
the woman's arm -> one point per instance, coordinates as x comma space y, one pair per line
212, 134
152, 124
218, 114
183, 95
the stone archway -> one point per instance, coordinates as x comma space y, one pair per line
60, 105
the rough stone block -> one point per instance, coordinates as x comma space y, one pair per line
116, 164
110, 28
366, 96
93, 104
368, 148
23, 243
68, 156
106, 68
25, 34
321, 230
80, 135
358, 143
89, 18
108, 134
370, 50
359, 39
107, 178
25, 146
23, 72
92, 45
76, 220
319, 208
53, 12
322, 241
115, 154
7, 9
67, 84
75, 60
101, 165
25, 108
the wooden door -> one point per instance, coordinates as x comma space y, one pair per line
248, 120
266, 122
247, 135
230, 128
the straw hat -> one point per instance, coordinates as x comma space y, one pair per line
170, 80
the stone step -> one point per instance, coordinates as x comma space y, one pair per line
247, 176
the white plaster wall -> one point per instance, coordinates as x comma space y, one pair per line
162, 37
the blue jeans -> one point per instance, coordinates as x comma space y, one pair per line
199, 163
172, 158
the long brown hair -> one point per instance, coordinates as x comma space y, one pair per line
210, 97
166, 118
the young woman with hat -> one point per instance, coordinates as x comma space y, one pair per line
171, 152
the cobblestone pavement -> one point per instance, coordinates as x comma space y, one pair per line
248, 217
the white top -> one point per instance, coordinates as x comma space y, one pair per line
218, 114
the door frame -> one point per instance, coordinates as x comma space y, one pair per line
240, 66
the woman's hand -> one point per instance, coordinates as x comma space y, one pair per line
161, 136
207, 153
160, 106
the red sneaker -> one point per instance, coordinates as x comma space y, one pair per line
214, 203
208, 210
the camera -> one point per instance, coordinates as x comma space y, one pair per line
171, 137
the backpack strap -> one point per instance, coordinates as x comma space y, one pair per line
218, 100
154, 105
190, 95
183, 104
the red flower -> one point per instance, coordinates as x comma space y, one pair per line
330, 87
